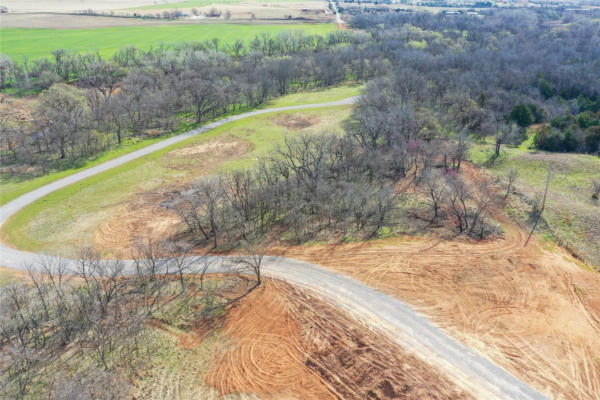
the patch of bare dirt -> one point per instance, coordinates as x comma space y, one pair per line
207, 155
141, 217
17, 109
295, 121
287, 343
534, 310
216, 146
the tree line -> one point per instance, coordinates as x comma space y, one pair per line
90, 104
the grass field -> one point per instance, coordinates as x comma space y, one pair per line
37, 43
69, 217
572, 217
204, 3
12, 186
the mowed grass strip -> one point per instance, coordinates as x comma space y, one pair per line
18, 43
69, 217
12, 186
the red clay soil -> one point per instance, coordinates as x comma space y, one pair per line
534, 310
289, 344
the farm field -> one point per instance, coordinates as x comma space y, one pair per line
70, 21
37, 43
186, 4
13, 185
100, 210
70, 5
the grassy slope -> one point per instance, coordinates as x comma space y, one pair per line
571, 215
37, 43
69, 216
11, 187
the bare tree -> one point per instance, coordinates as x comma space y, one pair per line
542, 207
253, 252
483, 199
596, 189
511, 178
459, 194
178, 256
435, 189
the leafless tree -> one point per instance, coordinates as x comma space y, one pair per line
459, 194
596, 189
539, 213
483, 198
436, 189
511, 178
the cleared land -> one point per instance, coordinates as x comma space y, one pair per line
572, 217
15, 182
81, 212
71, 5
37, 43
284, 343
288, 343
535, 310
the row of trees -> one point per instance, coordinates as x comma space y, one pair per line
138, 94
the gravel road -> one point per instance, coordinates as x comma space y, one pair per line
469, 370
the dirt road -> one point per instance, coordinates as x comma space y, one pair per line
399, 321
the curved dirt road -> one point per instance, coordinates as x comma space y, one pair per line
471, 371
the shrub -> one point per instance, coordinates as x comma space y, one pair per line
592, 139
522, 115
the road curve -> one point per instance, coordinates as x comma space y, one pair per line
411, 330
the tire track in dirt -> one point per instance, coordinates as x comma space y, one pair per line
288, 343
533, 310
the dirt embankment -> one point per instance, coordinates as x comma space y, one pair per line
534, 310
287, 343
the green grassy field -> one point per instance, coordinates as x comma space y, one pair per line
572, 217
12, 186
71, 216
204, 3
37, 43
317, 96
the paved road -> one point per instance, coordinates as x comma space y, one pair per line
410, 329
